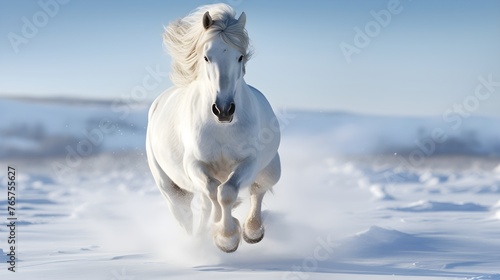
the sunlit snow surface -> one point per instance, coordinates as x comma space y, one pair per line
351, 203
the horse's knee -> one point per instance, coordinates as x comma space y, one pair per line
227, 194
211, 189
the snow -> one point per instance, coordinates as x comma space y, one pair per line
350, 204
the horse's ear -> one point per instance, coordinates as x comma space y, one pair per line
207, 20
242, 19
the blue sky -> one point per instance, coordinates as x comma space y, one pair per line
425, 60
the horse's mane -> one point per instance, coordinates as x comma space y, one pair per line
185, 37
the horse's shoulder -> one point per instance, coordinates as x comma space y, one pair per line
165, 96
255, 90
169, 93
259, 96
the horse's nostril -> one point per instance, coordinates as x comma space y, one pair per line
215, 110
232, 108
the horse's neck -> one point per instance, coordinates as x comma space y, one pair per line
198, 96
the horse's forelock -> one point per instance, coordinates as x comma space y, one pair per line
184, 39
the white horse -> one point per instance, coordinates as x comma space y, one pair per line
212, 133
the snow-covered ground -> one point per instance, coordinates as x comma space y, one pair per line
361, 197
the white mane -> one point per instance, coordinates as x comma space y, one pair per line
185, 37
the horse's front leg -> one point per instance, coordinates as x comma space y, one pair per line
227, 230
199, 174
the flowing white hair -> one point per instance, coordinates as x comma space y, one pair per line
185, 37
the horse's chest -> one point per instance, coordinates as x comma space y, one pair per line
220, 152
220, 148
220, 157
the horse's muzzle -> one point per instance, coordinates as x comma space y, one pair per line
224, 114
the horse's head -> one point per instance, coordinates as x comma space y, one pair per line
222, 63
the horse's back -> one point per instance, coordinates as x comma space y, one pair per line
166, 96
265, 106
267, 114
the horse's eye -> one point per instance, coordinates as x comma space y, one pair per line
206, 58
240, 59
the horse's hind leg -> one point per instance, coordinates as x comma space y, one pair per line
179, 204
179, 199
253, 230
204, 208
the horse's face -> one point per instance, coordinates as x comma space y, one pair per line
222, 67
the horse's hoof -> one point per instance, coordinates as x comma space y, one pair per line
255, 237
228, 250
228, 242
